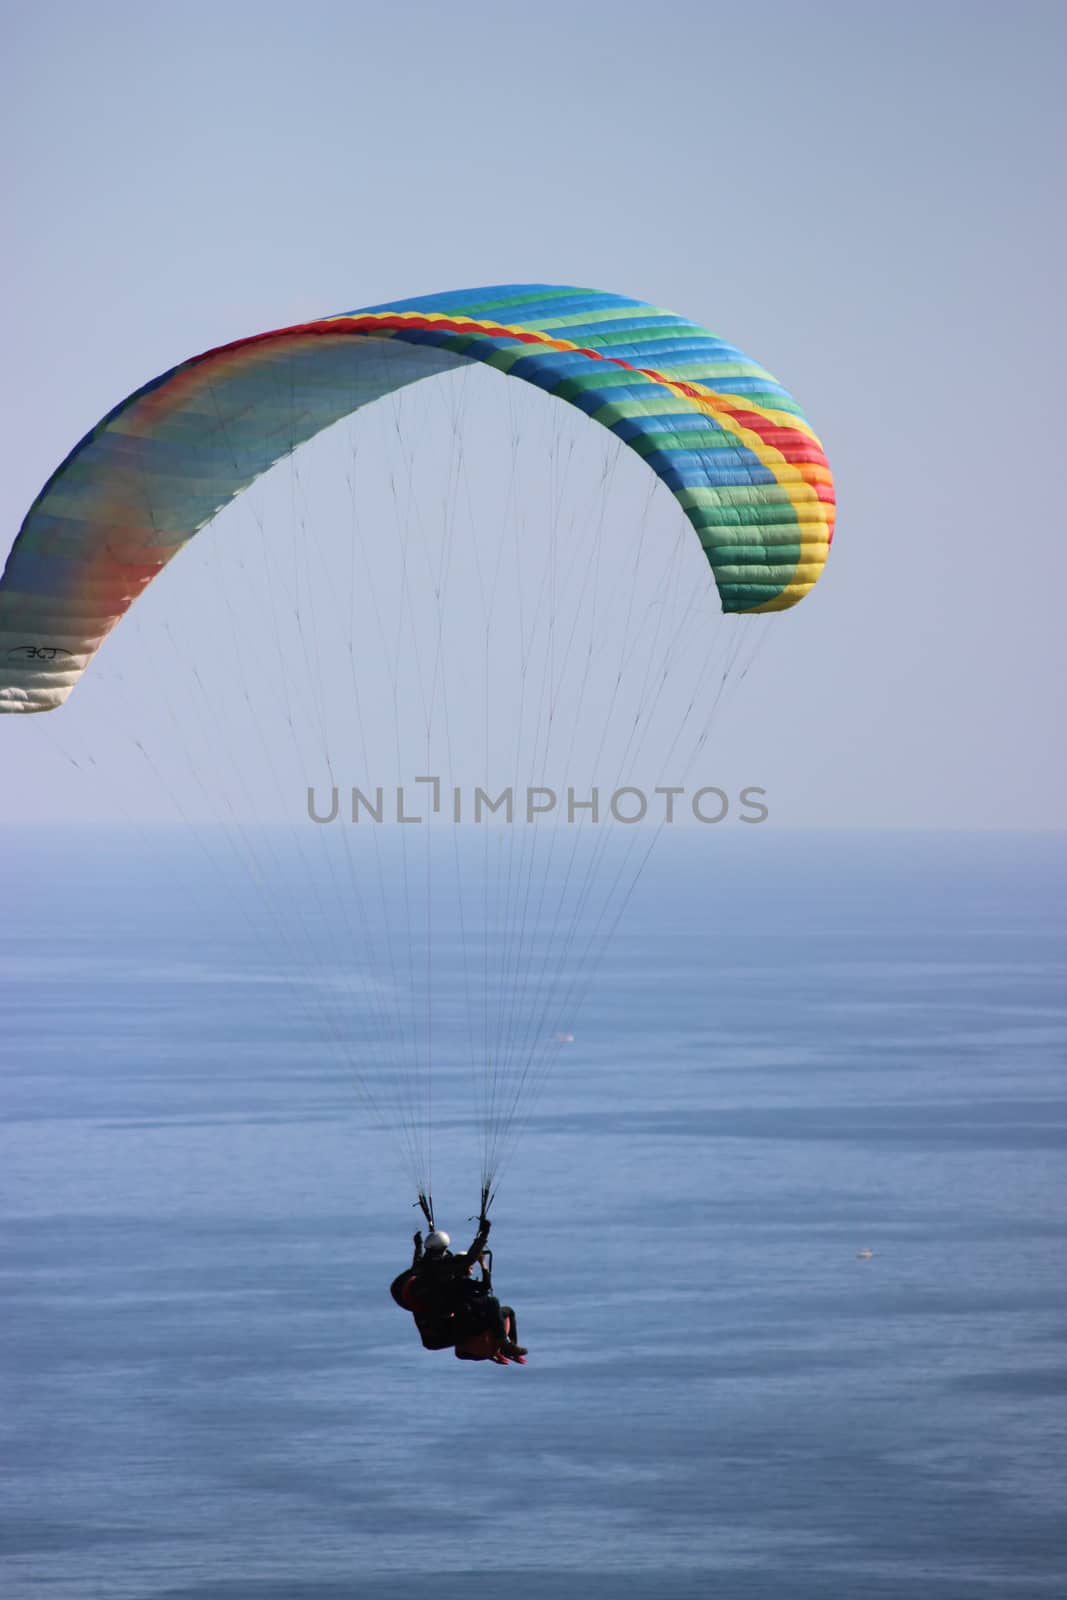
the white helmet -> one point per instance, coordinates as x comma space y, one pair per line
437, 1242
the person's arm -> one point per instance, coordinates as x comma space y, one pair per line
417, 1257
481, 1238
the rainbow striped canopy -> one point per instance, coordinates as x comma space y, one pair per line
728, 441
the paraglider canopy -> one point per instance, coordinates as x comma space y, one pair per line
728, 441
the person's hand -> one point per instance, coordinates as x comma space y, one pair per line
417, 1241
486, 1225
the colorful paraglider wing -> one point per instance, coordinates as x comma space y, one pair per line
718, 430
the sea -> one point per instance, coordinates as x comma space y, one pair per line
785, 1233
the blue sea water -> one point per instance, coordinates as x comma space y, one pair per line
800, 1046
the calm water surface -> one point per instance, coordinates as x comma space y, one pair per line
795, 1052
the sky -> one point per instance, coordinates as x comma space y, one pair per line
867, 199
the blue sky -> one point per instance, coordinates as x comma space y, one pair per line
868, 200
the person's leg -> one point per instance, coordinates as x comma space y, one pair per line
511, 1345
496, 1314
